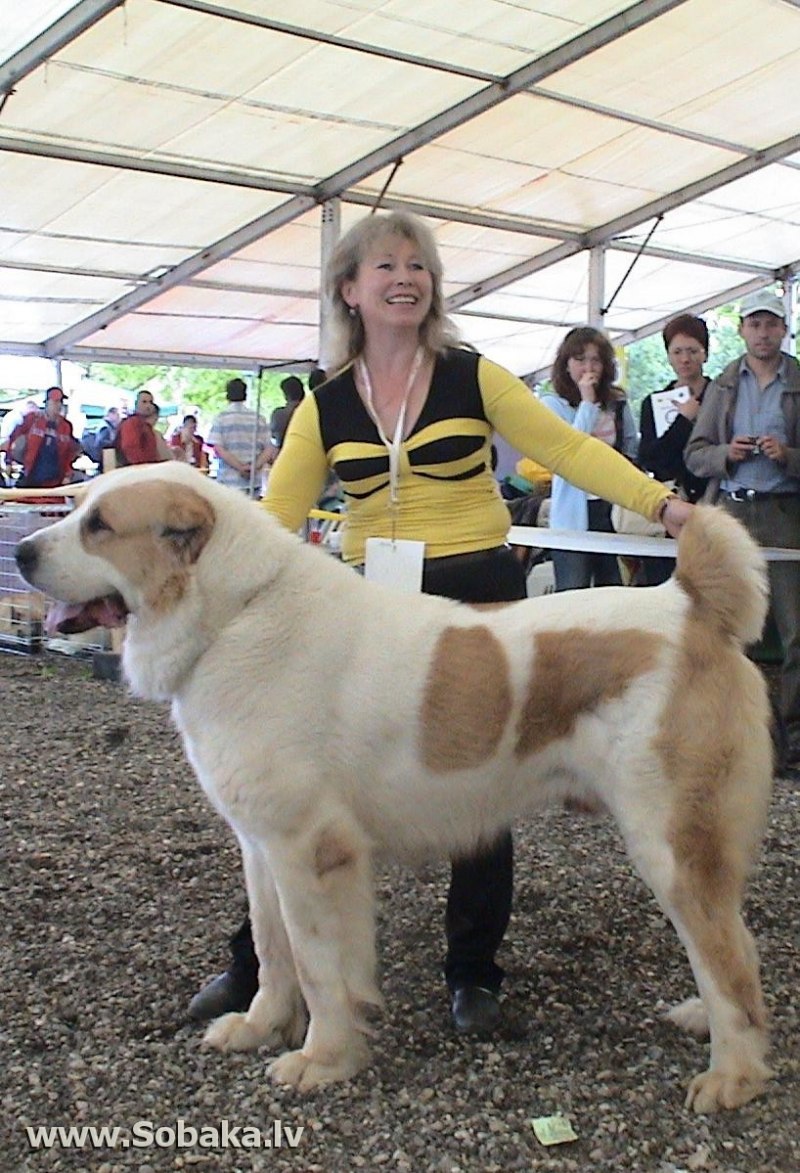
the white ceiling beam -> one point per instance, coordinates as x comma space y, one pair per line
637, 15
153, 165
677, 132
79, 18
708, 260
83, 354
322, 38
462, 216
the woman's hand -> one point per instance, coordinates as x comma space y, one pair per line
587, 385
688, 409
675, 515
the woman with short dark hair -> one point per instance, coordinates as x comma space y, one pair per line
665, 436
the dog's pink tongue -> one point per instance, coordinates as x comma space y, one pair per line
70, 618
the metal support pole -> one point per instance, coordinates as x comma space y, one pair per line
597, 281
331, 229
255, 379
791, 290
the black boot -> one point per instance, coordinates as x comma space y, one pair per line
233, 990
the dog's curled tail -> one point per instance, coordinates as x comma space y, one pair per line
724, 573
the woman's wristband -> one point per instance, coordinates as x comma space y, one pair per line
662, 508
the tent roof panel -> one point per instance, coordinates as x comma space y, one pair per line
213, 337
93, 202
696, 61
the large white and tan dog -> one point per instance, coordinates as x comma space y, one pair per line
329, 719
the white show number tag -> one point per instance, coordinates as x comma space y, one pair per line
396, 564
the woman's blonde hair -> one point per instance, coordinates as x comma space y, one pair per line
346, 339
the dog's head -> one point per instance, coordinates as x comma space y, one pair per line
129, 546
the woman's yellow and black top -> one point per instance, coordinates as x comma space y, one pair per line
447, 495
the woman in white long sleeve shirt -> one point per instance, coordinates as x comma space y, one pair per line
585, 397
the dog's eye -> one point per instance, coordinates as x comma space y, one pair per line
96, 524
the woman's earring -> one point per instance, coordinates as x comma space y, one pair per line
352, 311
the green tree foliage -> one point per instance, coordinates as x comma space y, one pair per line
189, 386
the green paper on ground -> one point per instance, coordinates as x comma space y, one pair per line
553, 1130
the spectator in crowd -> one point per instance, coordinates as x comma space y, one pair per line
95, 440
14, 417
240, 439
137, 440
316, 378
44, 444
661, 447
746, 441
586, 398
293, 392
188, 445
407, 425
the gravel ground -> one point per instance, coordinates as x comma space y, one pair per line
121, 886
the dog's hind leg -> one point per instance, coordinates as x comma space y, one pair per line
696, 868
277, 1015
325, 892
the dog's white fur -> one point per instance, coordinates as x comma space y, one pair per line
329, 719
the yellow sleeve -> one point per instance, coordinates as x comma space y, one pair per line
298, 476
522, 420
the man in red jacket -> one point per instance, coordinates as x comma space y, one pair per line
137, 441
45, 444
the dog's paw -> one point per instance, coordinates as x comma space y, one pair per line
296, 1069
713, 1090
690, 1016
238, 1032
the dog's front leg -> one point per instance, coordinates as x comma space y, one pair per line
325, 893
277, 1014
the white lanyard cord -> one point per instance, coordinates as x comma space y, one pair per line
393, 445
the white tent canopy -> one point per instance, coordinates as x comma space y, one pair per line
173, 171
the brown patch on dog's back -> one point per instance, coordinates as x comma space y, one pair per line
467, 699
574, 671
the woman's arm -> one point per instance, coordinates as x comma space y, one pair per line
299, 473
582, 460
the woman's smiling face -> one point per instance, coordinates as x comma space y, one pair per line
392, 287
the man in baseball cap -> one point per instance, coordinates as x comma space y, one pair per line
762, 302
746, 439
44, 445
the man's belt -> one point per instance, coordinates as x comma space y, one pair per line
752, 495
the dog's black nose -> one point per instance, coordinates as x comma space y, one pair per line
26, 556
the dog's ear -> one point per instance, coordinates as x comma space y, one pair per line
187, 523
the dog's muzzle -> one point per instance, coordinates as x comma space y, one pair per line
27, 557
